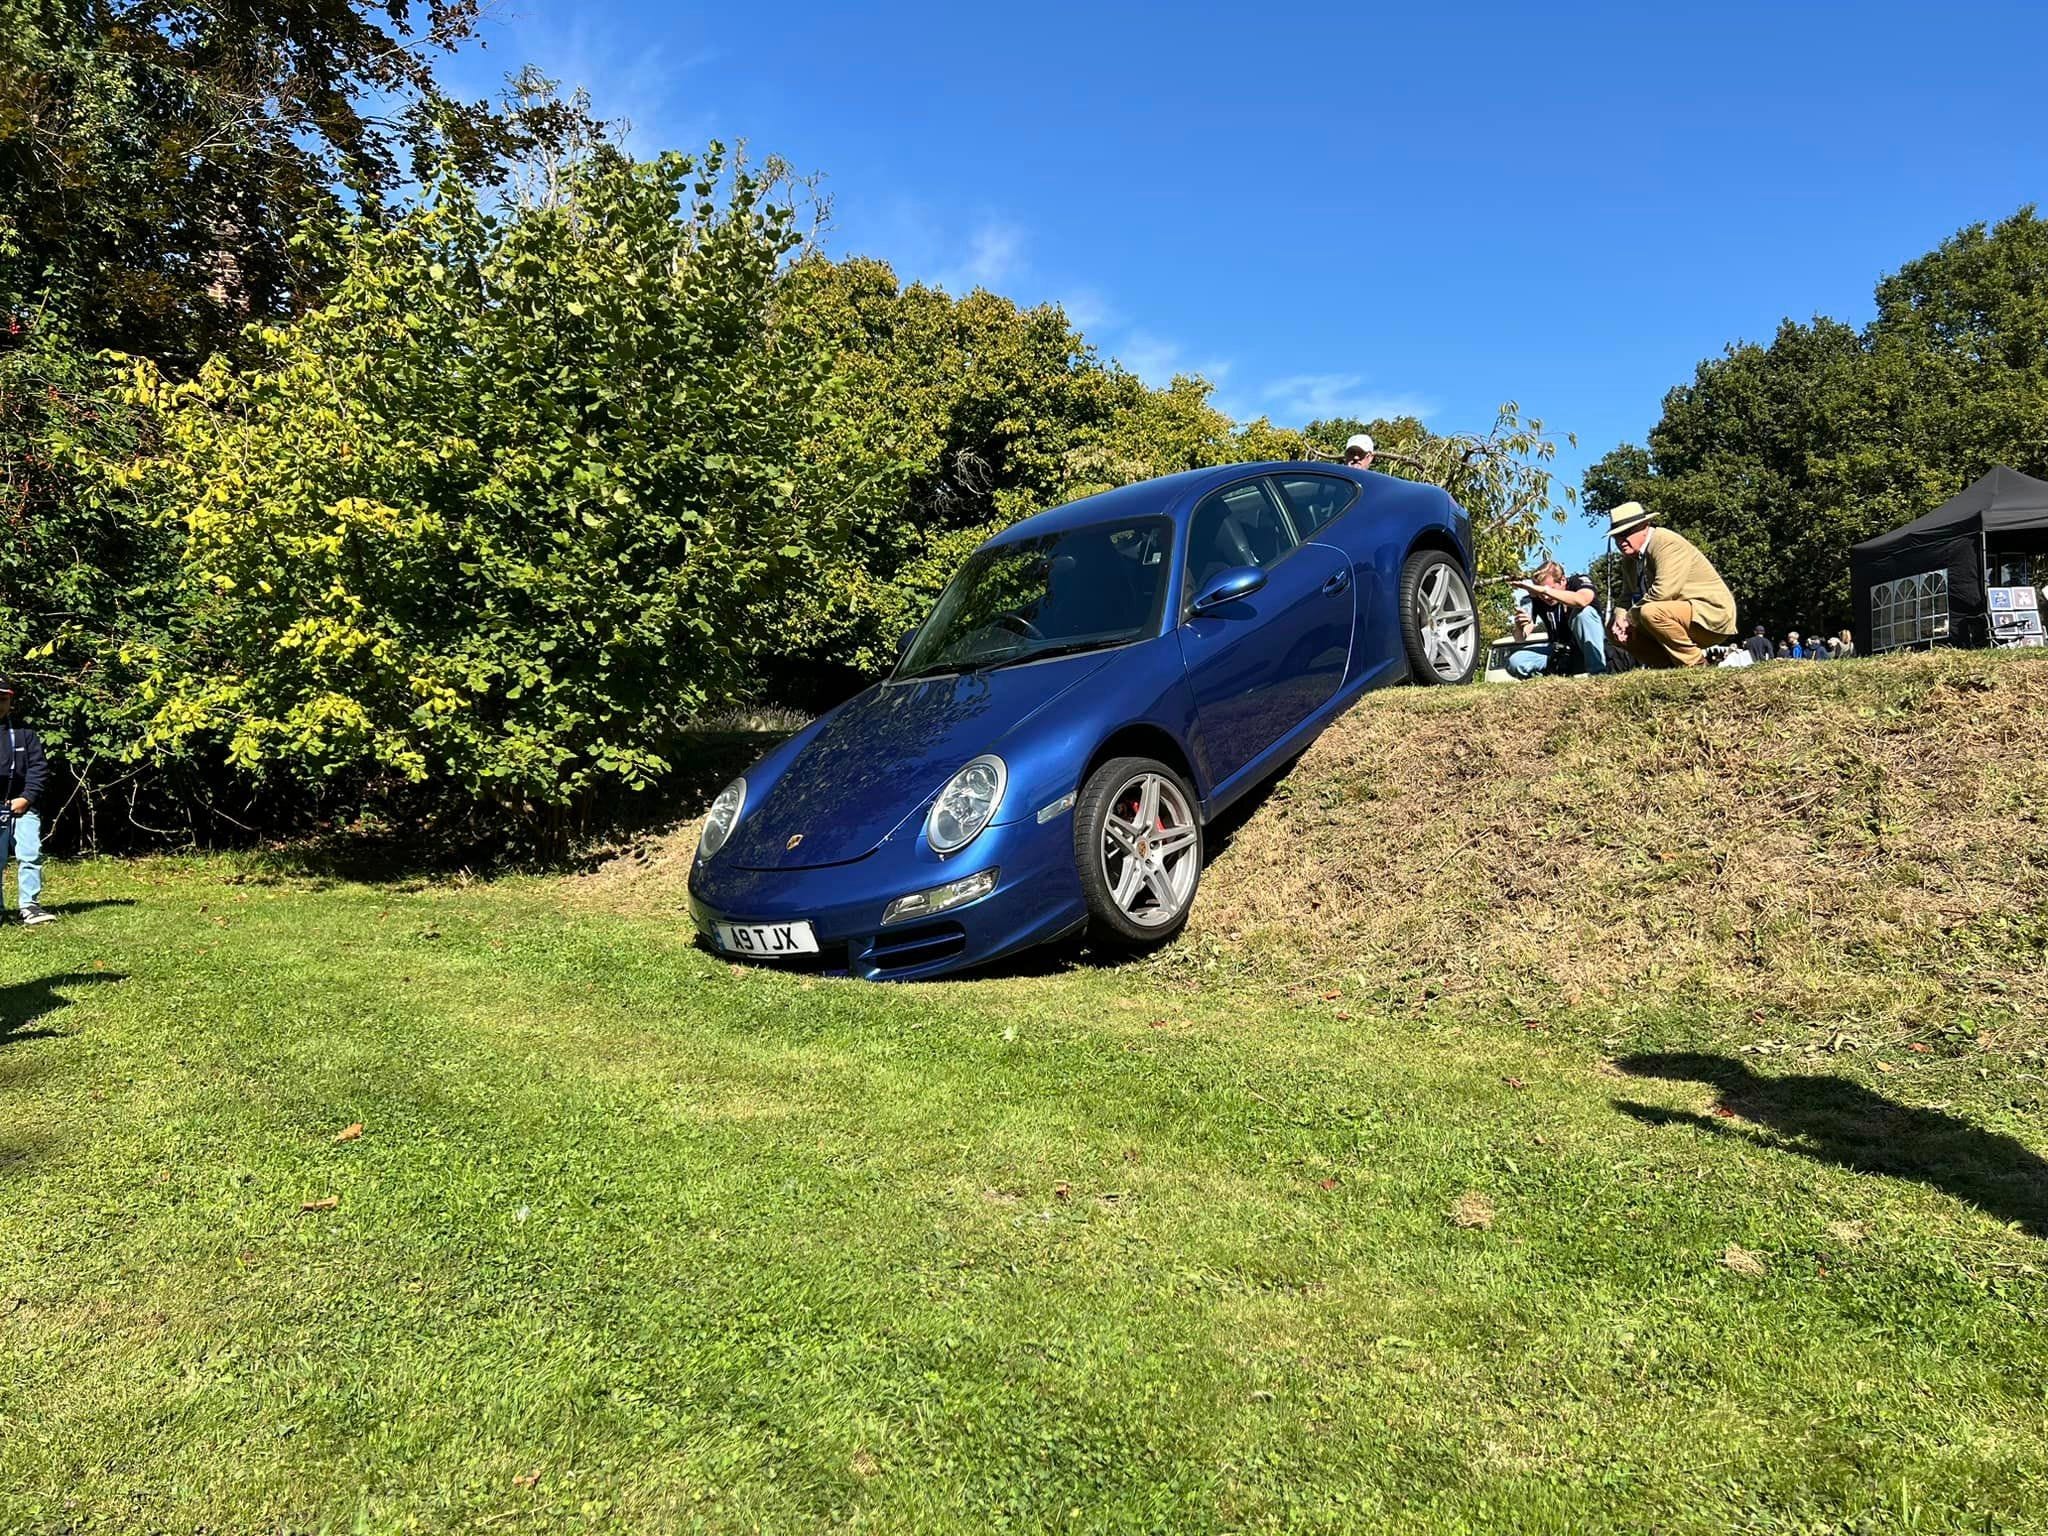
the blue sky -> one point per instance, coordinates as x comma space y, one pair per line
1362, 208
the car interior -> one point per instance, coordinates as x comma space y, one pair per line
1239, 525
1100, 582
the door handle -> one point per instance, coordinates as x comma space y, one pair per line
1338, 582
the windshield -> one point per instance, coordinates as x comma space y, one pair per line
1074, 591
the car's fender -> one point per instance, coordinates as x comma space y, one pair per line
1047, 754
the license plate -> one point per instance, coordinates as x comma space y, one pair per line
770, 940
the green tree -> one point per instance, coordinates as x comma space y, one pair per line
963, 415
79, 575
157, 157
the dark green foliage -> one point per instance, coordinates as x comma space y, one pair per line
1777, 459
157, 156
157, 161
80, 576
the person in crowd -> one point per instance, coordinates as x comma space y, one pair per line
1729, 656
1758, 645
1817, 648
23, 772
1794, 650
1784, 650
1566, 608
1358, 450
1845, 644
1684, 605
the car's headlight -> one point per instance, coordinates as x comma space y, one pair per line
967, 804
723, 816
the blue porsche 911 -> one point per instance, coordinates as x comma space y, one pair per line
1091, 690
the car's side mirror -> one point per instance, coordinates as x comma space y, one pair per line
1227, 587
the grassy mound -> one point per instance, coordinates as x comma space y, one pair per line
1842, 842
1605, 1108
1832, 843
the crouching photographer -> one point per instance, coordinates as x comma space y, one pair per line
23, 772
1567, 610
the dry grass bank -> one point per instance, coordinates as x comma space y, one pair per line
1842, 843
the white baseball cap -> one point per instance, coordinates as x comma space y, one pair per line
1359, 440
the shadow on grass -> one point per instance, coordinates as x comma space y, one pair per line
1218, 834
494, 843
1836, 1121
22, 1003
1056, 957
68, 908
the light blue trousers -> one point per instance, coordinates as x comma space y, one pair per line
23, 842
1592, 645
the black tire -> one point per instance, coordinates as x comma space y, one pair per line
1415, 618
1108, 922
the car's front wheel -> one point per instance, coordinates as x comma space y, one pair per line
1439, 622
1138, 843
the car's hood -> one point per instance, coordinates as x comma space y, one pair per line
877, 760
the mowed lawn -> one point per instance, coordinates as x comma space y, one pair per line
632, 1239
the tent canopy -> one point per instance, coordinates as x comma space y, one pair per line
1951, 538
2003, 499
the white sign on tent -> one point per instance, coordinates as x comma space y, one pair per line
2015, 616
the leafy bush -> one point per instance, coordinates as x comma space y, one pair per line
78, 573
506, 509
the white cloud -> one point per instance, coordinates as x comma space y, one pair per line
994, 255
1151, 358
1304, 397
632, 77
1088, 311
941, 251
1157, 360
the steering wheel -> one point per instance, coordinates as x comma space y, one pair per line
1018, 622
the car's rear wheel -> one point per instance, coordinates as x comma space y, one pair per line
1138, 843
1439, 622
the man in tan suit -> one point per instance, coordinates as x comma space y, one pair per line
1685, 605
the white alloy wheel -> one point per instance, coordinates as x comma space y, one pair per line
1451, 631
1439, 620
1151, 850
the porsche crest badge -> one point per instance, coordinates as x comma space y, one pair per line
790, 846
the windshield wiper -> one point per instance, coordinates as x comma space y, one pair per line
1073, 648
977, 664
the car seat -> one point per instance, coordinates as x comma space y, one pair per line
1087, 594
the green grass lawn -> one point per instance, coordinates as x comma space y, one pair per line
633, 1239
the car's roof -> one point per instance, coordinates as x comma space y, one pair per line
1170, 494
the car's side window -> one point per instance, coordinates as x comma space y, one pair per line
1315, 499
1238, 525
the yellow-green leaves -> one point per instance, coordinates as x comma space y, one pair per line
455, 529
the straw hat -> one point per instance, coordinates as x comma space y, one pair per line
1627, 518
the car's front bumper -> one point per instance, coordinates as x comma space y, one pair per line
1037, 898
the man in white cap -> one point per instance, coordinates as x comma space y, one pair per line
1358, 451
1685, 604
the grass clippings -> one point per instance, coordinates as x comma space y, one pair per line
1472, 1210
1743, 1262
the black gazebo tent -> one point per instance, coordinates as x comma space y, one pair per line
2005, 508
